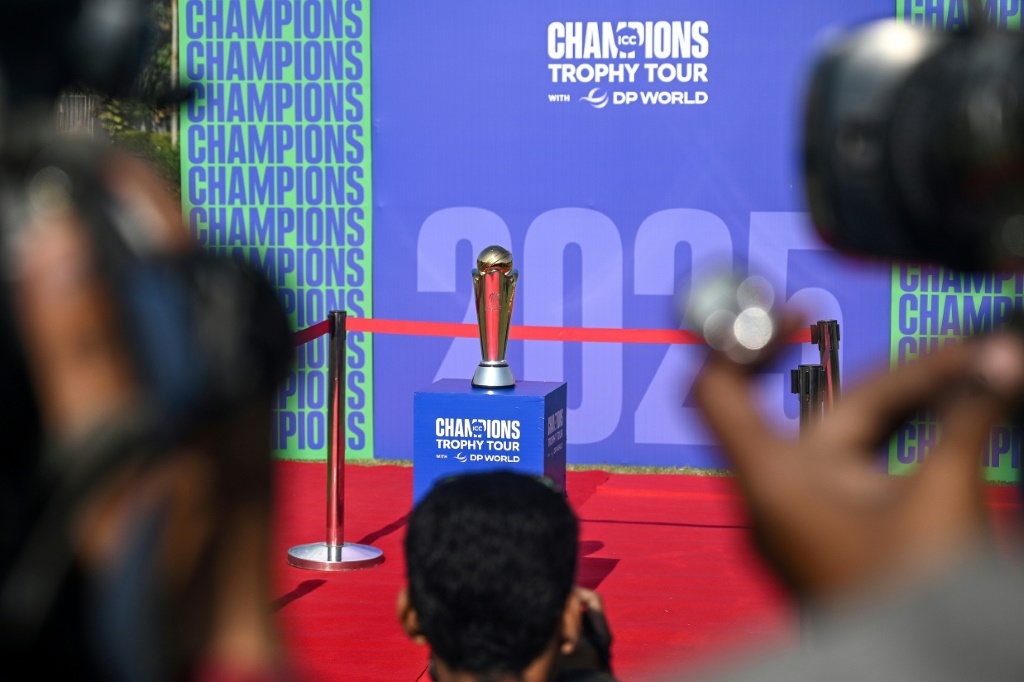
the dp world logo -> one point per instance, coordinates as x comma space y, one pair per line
460, 457
597, 98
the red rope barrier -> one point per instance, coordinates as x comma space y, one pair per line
413, 328
309, 333
525, 332
335, 554
520, 332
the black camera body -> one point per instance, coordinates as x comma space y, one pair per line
914, 145
207, 336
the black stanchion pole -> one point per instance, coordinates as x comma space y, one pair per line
825, 333
817, 388
808, 383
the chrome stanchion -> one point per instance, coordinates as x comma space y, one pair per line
825, 333
335, 554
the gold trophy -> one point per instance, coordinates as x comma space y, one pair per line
494, 282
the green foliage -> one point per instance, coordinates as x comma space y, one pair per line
610, 468
143, 110
156, 149
155, 76
113, 119
138, 124
632, 469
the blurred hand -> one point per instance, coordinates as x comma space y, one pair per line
593, 610
592, 651
824, 515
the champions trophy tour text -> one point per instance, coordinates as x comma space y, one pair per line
934, 306
275, 156
631, 53
477, 440
555, 432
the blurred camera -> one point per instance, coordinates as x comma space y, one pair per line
205, 337
49, 45
205, 334
914, 145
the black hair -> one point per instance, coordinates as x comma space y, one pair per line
491, 560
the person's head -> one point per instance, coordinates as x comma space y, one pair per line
491, 562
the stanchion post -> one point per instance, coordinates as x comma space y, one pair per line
335, 554
808, 383
818, 388
336, 436
825, 333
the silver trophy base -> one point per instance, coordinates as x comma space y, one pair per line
321, 557
493, 375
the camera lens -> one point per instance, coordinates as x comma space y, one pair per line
913, 145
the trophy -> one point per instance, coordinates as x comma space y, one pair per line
494, 282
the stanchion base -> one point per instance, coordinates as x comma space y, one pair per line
315, 557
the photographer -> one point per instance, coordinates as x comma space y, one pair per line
901, 577
851, 541
138, 376
490, 560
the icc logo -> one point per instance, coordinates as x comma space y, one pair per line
627, 40
493, 301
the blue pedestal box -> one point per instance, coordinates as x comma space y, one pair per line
458, 429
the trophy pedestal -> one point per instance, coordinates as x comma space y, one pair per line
493, 375
459, 429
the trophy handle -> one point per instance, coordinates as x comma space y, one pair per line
479, 284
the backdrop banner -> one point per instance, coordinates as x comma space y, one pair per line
622, 150
275, 167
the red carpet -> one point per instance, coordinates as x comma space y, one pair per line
669, 554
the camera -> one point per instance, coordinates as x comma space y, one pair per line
913, 145
205, 337
204, 333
